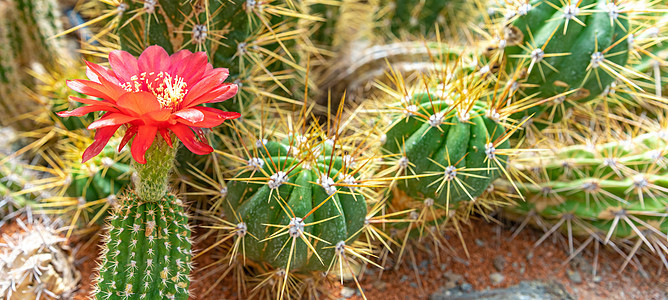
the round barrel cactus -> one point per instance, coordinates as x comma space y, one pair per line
301, 192
446, 151
557, 47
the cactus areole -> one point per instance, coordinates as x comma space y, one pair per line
564, 46
444, 153
296, 191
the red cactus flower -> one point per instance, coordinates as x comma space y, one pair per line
156, 93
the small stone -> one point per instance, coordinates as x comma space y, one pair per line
499, 263
403, 278
462, 261
380, 285
597, 279
496, 278
480, 242
347, 292
413, 285
443, 267
574, 276
466, 287
530, 255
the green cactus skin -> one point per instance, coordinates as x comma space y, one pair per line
457, 143
299, 176
153, 176
616, 190
148, 251
535, 37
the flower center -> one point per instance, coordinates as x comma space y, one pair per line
169, 90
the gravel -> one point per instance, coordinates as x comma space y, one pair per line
526, 290
497, 278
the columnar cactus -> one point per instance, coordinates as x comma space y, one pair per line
612, 189
25, 35
420, 17
157, 97
147, 253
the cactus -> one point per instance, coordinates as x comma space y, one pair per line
653, 60
446, 145
611, 189
36, 263
299, 191
92, 187
148, 251
10, 64
566, 49
27, 28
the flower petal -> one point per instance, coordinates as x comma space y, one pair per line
91, 88
220, 93
83, 110
123, 64
186, 135
211, 82
92, 101
212, 117
192, 115
166, 136
142, 141
111, 119
153, 59
102, 137
129, 134
189, 66
139, 103
100, 74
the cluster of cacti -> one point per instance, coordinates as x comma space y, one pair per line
36, 263
294, 192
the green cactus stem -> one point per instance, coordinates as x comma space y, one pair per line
152, 181
148, 251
